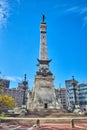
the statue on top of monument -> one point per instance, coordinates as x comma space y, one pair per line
43, 18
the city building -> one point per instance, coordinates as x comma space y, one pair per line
17, 94
62, 95
82, 95
20, 85
4, 83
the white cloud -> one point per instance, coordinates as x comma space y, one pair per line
10, 78
14, 78
80, 11
4, 12
83, 10
85, 18
19, 78
18, 1
85, 21
73, 9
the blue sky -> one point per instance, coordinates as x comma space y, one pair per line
66, 38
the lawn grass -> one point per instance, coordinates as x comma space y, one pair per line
3, 116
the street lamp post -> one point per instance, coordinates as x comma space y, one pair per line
25, 87
77, 107
74, 90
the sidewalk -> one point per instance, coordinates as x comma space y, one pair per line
58, 126
43, 126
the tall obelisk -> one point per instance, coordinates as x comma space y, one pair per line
43, 61
43, 91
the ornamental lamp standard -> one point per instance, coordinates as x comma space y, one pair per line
74, 90
25, 87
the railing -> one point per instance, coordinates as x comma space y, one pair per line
73, 122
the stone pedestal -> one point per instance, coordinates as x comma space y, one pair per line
43, 93
77, 110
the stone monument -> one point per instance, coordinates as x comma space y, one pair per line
43, 93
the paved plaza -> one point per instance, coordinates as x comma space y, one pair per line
45, 124
48, 126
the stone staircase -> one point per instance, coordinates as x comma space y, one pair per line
50, 113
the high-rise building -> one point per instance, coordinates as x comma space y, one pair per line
4, 83
82, 95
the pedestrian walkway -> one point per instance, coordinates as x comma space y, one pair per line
58, 126
43, 126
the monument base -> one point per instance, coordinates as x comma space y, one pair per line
77, 110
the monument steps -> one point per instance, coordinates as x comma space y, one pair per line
50, 113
